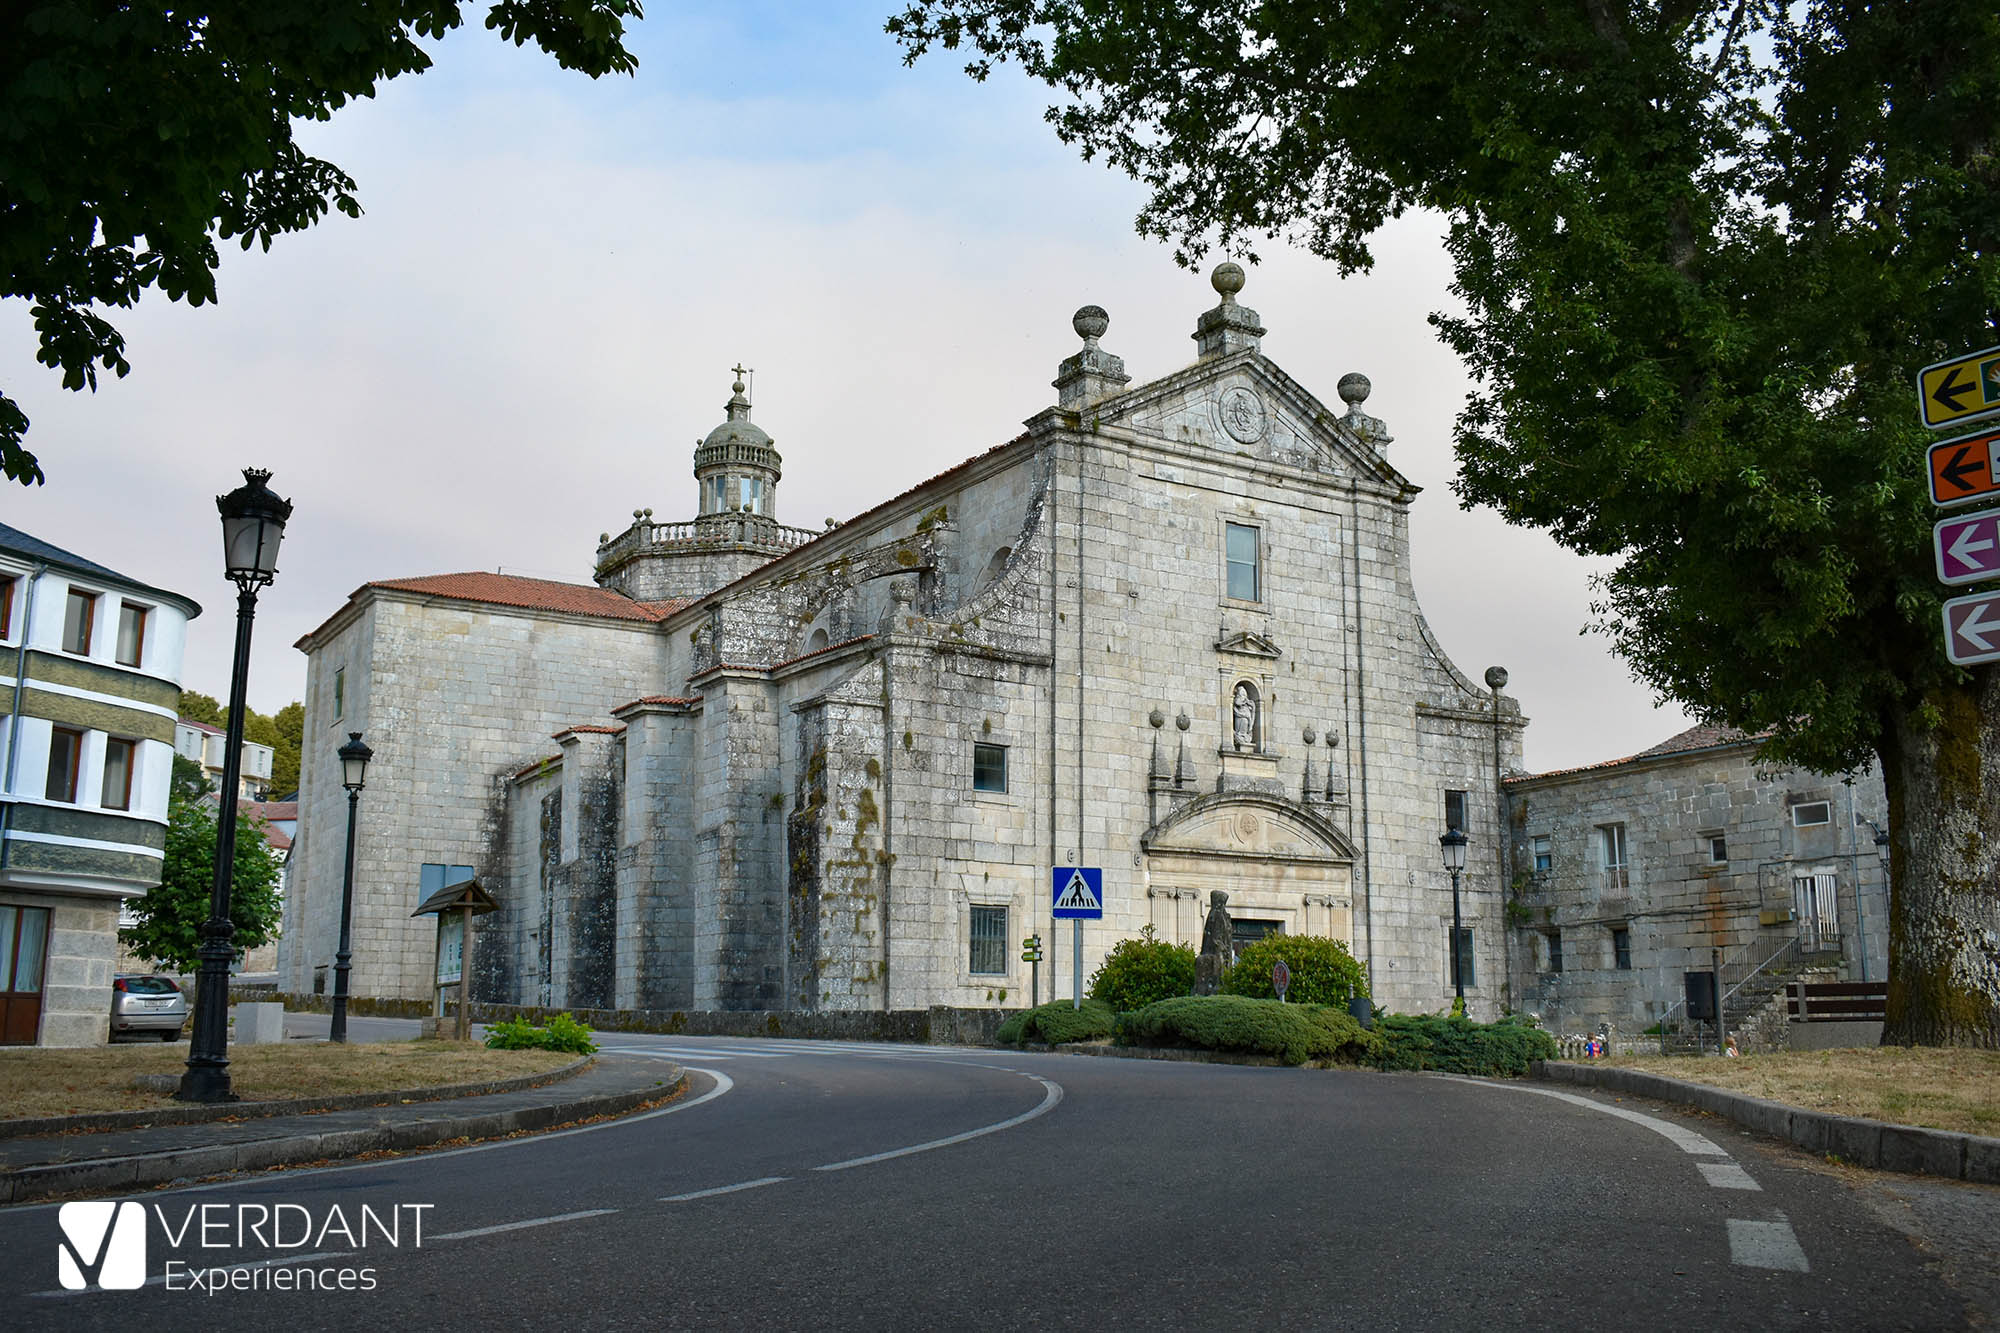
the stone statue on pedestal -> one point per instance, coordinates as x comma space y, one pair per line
1218, 946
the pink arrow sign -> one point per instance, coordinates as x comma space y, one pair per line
1967, 547
1972, 629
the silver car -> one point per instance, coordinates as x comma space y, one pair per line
145, 1005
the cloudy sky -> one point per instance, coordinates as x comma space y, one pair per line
524, 335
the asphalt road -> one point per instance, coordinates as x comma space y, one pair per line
828, 1185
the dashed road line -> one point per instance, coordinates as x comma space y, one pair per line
1726, 1176
524, 1225
1766, 1245
725, 1189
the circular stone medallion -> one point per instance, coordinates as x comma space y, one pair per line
1242, 415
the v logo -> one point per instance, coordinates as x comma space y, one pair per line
104, 1242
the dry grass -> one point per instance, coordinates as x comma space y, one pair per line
1938, 1089
39, 1082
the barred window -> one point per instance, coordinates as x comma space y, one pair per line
989, 940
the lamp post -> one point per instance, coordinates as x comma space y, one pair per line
253, 522
354, 757
1452, 843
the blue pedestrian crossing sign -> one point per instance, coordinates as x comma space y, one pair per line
1079, 893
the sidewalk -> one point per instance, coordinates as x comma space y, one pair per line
1874, 1144
122, 1160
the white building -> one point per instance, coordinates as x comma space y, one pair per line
208, 746
1167, 631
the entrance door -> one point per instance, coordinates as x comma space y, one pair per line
24, 944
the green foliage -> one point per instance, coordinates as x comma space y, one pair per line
1457, 1045
205, 708
190, 781
1294, 1033
289, 724
1137, 972
1700, 252
1323, 971
562, 1033
1057, 1022
136, 134
167, 930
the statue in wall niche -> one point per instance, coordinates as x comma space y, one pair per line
1218, 946
1246, 718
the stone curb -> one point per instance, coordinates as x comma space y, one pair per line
117, 1175
1869, 1143
195, 1114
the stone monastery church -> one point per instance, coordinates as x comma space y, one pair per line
1168, 630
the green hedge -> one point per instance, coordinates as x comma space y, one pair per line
1137, 972
562, 1034
1059, 1022
1323, 971
1294, 1033
1459, 1045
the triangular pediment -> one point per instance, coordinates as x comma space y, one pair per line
1244, 403
1253, 825
1248, 643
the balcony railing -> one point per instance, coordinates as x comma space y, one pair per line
754, 530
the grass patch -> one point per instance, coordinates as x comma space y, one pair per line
38, 1082
1933, 1088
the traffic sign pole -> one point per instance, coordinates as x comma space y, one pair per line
1076, 964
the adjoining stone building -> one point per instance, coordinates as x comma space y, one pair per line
1629, 874
1168, 630
89, 693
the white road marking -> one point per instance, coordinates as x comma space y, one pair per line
1726, 1176
1685, 1139
1052, 1093
1766, 1245
725, 1189
522, 1226
723, 1083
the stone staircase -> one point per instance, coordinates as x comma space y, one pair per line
1753, 1007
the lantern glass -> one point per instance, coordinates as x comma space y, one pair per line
1452, 843
253, 521
354, 757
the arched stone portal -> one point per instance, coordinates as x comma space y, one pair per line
1283, 865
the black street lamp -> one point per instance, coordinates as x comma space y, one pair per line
1452, 843
354, 757
253, 522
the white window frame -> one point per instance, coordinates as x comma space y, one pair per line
1824, 807
1614, 852
1257, 562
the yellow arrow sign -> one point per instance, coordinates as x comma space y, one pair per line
1965, 388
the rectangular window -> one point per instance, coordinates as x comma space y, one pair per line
1245, 931
1241, 554
1812, 814
7, 582
65, 749
1716, 848
24, 937
1463, 960
989, 940
989, 767
1611, 845
118, 774
1454, 811
434, 877
339, 693
755, 494
1555, 939
77, 615
1621, 948
1816, 899
131, 633
1538, 846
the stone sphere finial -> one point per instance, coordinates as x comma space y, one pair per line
1157, 718
1496, 678
1227, 279
1331, 740
638, 514
1354, 388
1090, 322
1311, 736
901, 593
1183, 722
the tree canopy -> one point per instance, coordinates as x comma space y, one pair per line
1702, 249
136, 134
169, 917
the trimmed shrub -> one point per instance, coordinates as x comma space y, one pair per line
563, 1033
1137, 972
1323, 971
1058, 1022
1294, 1033
1459, 1045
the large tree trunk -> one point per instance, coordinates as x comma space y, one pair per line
1944, 916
